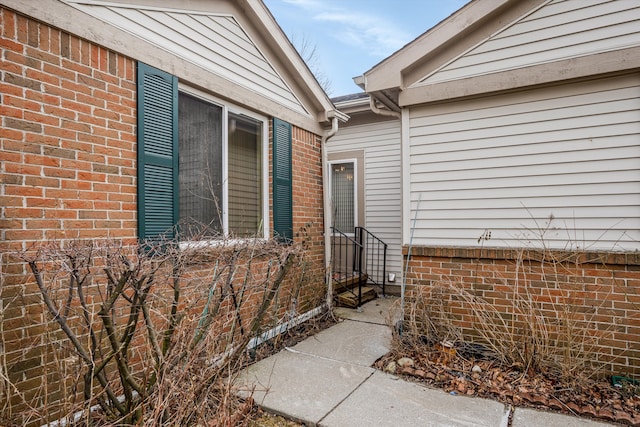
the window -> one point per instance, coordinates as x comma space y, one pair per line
203, 162
200, 163
342, 196
245, 175
203, 183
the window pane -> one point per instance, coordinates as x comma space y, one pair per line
245, 176
342, 181
200, 176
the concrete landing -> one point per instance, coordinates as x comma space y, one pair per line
303, 387
350, 342
378, 311
385, 400
525, 417
327, 380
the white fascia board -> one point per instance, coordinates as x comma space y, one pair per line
388, 73
59, 14
288, 54
616, 61
354, 105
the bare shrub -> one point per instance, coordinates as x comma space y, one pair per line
428, 315
153, 333
534, 321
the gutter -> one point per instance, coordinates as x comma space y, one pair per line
361, 81
376, 110
334, 115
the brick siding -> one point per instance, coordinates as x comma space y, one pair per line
600, 291
68, 143
308, 205
68, 152
68, 171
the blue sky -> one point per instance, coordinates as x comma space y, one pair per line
351, 36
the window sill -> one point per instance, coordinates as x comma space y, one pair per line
223, 243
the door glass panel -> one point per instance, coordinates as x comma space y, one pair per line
342, 196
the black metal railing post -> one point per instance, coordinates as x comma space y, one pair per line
340, 262
373, 249
367, 251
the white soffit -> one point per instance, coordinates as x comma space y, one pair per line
216, 42
557, 30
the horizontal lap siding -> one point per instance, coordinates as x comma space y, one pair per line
556, 31
510, 163
383, 205
215, 42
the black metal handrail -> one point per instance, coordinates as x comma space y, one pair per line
373, 248
342, 267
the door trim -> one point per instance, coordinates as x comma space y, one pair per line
357, 157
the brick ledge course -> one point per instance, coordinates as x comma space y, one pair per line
532, 254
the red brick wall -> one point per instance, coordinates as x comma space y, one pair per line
67, 152
600, 291
68, 171
68, 139
308, 214
308, 206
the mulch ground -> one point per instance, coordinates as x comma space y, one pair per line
465, 375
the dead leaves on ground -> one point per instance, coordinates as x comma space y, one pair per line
456, 375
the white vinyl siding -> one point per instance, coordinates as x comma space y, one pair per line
382, 181
560, 29
509, 163
215, 42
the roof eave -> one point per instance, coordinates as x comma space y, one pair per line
389, 74
258, 13
618, 61
353, 105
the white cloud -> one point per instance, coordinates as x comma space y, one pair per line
374, 34
307, 4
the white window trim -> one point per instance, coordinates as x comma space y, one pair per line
264, 153
355, 191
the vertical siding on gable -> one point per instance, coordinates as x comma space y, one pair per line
383, 199
509, 163
559, 30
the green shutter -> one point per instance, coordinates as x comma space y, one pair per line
282, 188
157, 153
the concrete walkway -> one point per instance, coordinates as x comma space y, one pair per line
327, 380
